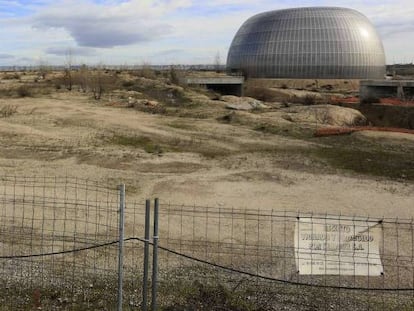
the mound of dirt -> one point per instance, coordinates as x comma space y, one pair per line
291, 93
325, 114
242, 103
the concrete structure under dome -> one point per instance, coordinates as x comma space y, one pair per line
313, 43
225, 85
402, 89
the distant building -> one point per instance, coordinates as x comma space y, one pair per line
314, 43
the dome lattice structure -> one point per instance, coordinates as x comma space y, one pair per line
315, 42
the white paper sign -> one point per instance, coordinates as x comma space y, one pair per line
337, 247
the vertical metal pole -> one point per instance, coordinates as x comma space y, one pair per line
146, 255
121, 244
155, 258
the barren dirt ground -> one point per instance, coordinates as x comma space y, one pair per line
202, 161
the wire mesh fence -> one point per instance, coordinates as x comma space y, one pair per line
292, 261
58, 243
59, 250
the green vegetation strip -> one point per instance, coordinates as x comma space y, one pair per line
368, 157
394, 165
289, 131
142, 142
173, 144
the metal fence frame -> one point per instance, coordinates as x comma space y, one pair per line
63, 232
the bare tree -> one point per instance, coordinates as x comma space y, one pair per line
146, 71
43, 69
100, 82
82, 78
174, 75
217, 62
68, 75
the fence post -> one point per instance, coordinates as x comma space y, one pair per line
121, 243
155, 258
146, 255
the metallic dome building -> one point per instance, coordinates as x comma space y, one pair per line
314, 42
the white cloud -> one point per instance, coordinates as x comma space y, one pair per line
108, 25
6, 56
161, 31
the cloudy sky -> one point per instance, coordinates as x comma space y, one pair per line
134, 32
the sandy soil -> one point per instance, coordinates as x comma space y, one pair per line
68, 135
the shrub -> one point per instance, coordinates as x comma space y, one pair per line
145, 72
328, 87
370, 100
100, 82
128, 83
82, 77
24, 91
174, 76
228, 118
68, 79
43, 70
168, 95
308, 100
11, 76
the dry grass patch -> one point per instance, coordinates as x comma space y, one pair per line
142, 142
7, 111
